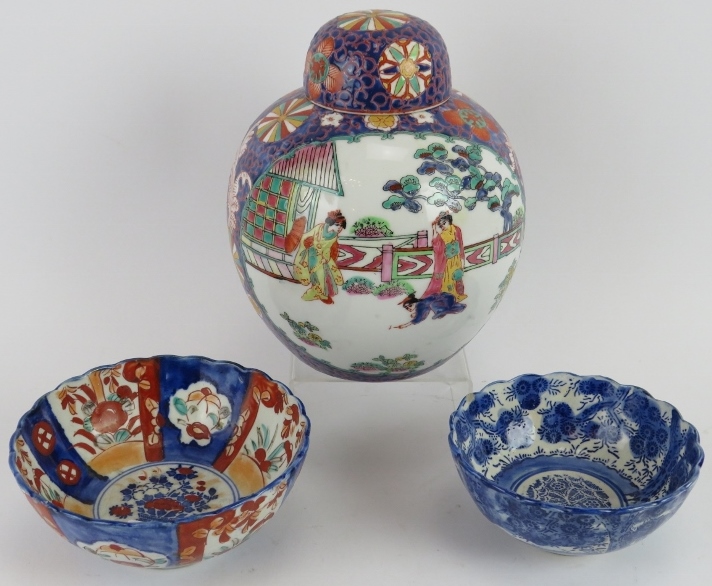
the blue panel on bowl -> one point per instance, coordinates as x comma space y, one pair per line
57, 457
125, 543
199, 436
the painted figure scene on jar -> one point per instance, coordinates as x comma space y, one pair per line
379, 194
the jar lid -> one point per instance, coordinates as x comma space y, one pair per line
377, 61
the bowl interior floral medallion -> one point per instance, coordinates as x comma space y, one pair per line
165, 491
574, 489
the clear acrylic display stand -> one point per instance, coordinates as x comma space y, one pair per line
454, 376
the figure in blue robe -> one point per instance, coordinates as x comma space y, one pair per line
439, 304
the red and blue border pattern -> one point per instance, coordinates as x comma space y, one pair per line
459, 117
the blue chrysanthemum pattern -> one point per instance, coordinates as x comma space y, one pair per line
574, 464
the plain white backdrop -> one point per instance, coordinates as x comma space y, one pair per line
119, 122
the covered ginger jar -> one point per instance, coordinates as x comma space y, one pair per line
376, 215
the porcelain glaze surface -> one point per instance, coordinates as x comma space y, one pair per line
376, 215
161, 462
574, 465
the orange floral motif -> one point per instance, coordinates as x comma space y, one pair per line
300, 432
109, 421
35, 477
262, 521
249, 514
209, 537
292, 414
322, 73
134, 371
156, 421
69, 396
125, 555
271, 447
240, 432
288, 450
105, 408
221, 527
262, 462
245, 519
271, 395
108, 417
23, 457
274, 502
464, 115
237, 432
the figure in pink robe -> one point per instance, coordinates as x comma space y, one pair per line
449, 259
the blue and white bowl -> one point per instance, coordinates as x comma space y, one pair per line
161, 462
574, 464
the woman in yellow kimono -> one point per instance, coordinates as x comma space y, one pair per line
449, 259
315, 261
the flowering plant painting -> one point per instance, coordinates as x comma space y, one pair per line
459, 180
125, 555
165, 492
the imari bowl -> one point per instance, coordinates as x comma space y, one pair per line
161, 462
574, 464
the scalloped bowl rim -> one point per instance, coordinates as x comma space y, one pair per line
294, 465
464, 463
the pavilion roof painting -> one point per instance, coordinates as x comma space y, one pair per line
313, 165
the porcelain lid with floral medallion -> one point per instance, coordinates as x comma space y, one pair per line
377, 61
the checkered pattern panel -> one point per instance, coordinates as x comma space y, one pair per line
266, 218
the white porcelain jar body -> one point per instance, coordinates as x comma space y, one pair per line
373, 237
